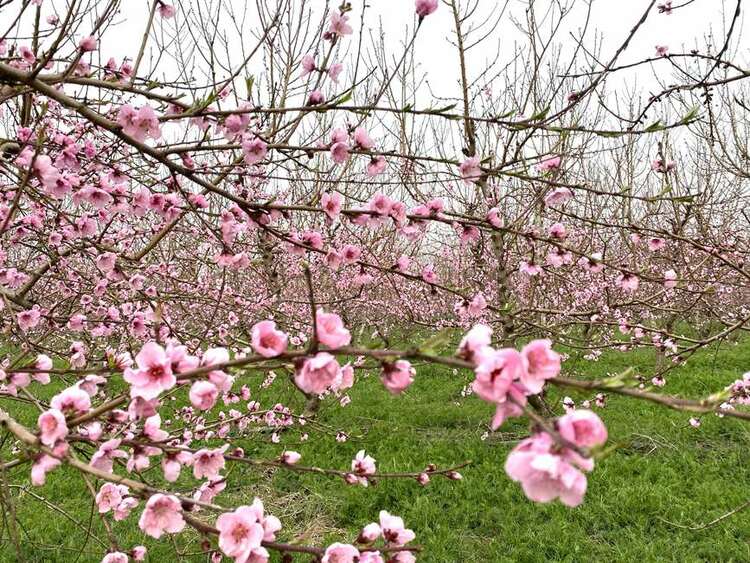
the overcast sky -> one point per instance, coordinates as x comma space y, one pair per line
610, 22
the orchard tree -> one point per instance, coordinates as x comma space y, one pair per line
269, 188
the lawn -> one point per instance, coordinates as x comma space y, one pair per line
665, 474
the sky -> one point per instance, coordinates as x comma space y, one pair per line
610, 23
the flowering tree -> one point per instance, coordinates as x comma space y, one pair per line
275, 197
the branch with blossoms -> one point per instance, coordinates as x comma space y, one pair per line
296, 199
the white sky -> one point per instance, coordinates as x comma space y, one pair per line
610, 22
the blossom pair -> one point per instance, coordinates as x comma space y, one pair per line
548, 471
505, 377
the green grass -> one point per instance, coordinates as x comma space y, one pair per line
664, 471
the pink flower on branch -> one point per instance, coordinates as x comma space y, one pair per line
330, 330
154, 372
163, 513
426, 7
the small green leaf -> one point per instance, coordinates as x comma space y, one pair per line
656, 126
690, 116
345, 97
506, 115
443, 110
684, 199
540, 114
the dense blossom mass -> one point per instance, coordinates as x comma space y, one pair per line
182, 240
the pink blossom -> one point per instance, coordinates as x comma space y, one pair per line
203, 395
393, 529
340, 152
496, 372
550, 164
402, 557
330, 330
267, 341
397, 376
104, 457
312, 239
380, 204
290, 457
138, 553
350, 254
334, 259
558, 196
167, 11
377, 165
345, 379
334, 70
52, 427
317, 373
163, 513
124, 509
369, 533
529, 268
29, 319
542, 363
43, 363
655, 244
558, 231
665, 7
240, 532
340, 553
428, 274
154, 373
658, 165
254, 150
171, 464
508, 409
593, 263
110, 496
87, 44
363, 464
152, 429
545, 476
426, 7
583, 428
73, 400
362, 139
477, 305
339, 24
627, 281
661, 50
27, 54
331, 204
670, 279
115, 557
208, 463
315, 98
494, 218
403, 263
339, 135
139, 124
470, 169
42, 465
308, 64
475, 343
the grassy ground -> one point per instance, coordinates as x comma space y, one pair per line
664, 472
